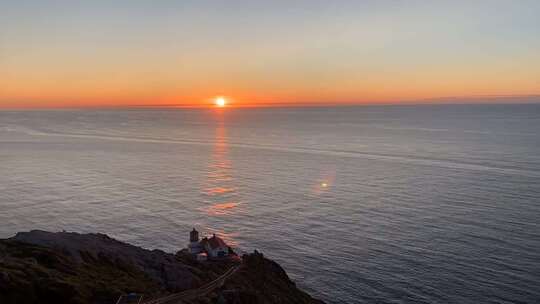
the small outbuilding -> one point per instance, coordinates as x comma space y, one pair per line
201, 257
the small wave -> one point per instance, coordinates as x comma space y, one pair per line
449, 164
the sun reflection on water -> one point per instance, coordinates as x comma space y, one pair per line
222, 195
219, 190
222, 208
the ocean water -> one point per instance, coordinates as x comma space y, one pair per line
368, 204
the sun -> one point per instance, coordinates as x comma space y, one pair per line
220, 102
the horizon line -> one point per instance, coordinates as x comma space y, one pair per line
445, 100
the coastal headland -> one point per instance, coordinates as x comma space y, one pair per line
68, 267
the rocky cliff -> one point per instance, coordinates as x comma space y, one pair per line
62, 267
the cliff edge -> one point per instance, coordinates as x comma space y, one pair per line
67, 267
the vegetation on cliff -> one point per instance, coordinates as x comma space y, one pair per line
44, 267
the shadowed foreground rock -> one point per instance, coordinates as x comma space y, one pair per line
44, 267
262, 281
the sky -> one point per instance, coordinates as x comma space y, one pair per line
149, 53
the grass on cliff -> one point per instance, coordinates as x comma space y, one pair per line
34, 274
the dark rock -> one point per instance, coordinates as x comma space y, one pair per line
261, 280
158, 265
44, 267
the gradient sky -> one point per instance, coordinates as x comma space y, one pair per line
113, 53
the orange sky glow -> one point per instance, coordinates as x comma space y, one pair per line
266, 54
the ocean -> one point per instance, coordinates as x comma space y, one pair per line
359, 204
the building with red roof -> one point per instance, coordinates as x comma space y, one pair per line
213, 247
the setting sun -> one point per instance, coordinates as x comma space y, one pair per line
220, 102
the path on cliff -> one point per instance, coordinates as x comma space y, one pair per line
194, 293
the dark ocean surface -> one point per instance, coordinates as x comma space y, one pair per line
368, 204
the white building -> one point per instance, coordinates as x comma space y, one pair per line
213, 247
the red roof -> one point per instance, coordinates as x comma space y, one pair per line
214, 242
